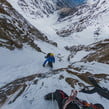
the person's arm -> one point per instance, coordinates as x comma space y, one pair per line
103, 92
45, 62
89, 91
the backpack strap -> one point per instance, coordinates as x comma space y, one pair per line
63, 95
70, 98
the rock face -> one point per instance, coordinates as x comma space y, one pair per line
15, 30
100, 52
15, 88
39, 8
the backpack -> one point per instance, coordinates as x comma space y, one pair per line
49, 54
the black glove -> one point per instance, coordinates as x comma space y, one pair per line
43, 65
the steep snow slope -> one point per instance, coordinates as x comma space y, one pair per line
33, 96
82, 28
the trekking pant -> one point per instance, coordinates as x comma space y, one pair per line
56, 96
50, 64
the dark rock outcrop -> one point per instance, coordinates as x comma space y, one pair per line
100, 52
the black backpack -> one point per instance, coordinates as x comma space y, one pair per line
48, 55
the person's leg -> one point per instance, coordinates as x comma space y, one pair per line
57, 95
50, 96
53, 96
50, 64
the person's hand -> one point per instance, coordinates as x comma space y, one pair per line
43, 65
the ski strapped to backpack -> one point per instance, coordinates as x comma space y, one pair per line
81, 103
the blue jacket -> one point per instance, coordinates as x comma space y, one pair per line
49, 59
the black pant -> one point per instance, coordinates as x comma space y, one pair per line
59, 98
56, 96
50, 64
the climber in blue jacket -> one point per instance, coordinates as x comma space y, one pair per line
50, 59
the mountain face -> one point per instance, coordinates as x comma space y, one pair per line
15, 30
38, 8
76, 31
87, 15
